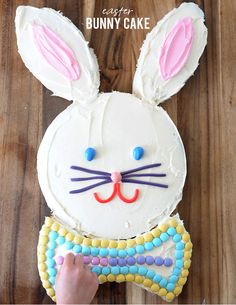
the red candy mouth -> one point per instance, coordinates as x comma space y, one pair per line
117, 191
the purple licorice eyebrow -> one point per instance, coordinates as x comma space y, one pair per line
91, 171
140, 168
84, 189
145, 175
89, 178
144, 182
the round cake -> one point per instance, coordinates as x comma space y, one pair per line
112, 166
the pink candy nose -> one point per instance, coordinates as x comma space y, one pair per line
116, 177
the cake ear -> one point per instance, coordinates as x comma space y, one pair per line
56, 52
170, 54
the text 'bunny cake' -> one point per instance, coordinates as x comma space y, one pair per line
112, 165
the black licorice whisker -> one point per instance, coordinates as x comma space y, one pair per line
89, 178
144, 182
140, 168
91, 171
84, 189
144, 175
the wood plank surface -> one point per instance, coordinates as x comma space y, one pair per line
204, 112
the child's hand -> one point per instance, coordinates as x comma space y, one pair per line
75, 283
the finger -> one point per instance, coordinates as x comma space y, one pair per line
79, 260
69, 259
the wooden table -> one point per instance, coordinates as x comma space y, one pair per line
204, 112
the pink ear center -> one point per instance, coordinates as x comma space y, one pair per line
56, 52
176, 48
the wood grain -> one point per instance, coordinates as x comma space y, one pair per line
204, 112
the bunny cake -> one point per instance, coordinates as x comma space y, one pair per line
112, 166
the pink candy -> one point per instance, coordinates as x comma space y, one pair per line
104, 261
59, 260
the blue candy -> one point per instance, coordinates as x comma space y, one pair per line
124, 270
60, 240
122, 253
163, 283
179, 254
113, 252
138, 153
52, 244
94, 251
96, 269
52, 280
49, 253
52, 271
106, 270
77, 248
50, 262
140, 249
170, 286
164, 237
176, 271
86, 250
157, 278
142, 270
131, 251
150, 274
115, 270
179, 263
148, 246
53, 235
157, 242
171, 231
103, 252
179, 246
90, 153
133, 269
177, 238
69, 245
173, 279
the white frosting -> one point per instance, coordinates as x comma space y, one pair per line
86, 87
148, 83
114, 126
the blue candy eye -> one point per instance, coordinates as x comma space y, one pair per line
138, 153
90, 153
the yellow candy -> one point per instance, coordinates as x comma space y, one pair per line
162, 292
55, 226
62, 231
148, 237
138, 279
120, 278
131, 242
48, 221
102, 278
96, 242
177, 290
41, 258
163, 227
187, 255
182, 281
121, 244
104, 243
180, 229
87, 241
155, 288
187, 264
111, 277
112, 244
129, 278
42, 267
139, 240
45, 230
147, 283
78, 239
46, 284
185, 273
54, 299
186, 237
156, 232
170, 296
51, 292
44, 275
188, 245
43, 240
42, 249
173, 222
69, 236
